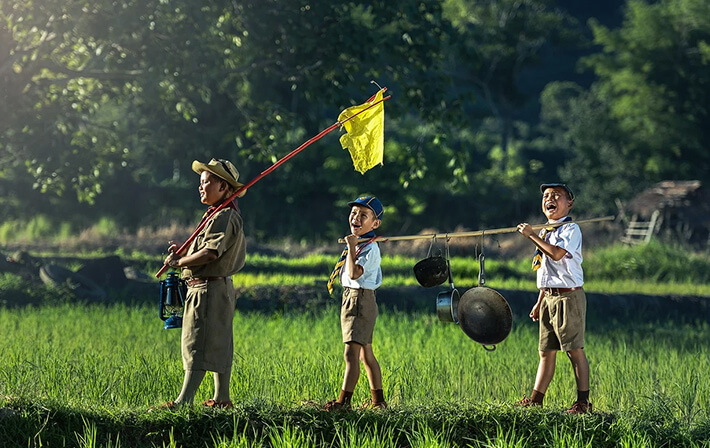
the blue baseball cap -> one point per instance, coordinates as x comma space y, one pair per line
370, 202
544, 187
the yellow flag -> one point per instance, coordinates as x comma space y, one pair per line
365, 134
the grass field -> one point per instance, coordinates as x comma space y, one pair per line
651, 269
77, 375
507, 274
657, 269
74, 374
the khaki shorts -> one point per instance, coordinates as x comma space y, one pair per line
562, 321
358, 313
207, 336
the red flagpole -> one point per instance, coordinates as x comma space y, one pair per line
278, 163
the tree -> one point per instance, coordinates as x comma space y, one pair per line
55, 78
645, 119
587, 144
497, 41
496, 45
108, 97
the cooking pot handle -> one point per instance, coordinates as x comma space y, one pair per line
482, 265
448, 262
488, 348
428, 253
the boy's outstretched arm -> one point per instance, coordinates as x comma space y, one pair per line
554, 252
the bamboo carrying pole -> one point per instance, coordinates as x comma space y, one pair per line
479, 232
303, 146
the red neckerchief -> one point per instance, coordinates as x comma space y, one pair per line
362, 245
233, 204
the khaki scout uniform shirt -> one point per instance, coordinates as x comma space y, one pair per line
223, 234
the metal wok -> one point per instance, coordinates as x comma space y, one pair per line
484, 314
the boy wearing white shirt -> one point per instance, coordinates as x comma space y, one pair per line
562, 304
360, 274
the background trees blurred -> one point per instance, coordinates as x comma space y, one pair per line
105, 104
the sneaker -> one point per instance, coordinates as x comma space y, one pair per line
218, 404
580, 407
369, 404
528, 403
334, 405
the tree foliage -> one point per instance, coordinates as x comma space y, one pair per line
129, 92
106, 103
645, 118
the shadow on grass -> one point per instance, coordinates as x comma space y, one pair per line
29, 424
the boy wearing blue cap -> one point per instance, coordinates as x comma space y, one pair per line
562, 304
360, 274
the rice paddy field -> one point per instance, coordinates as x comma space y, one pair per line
86, 375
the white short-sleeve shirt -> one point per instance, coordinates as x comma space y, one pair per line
369, 258
567, 272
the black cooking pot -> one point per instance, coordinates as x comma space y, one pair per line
485, 316
431, 271
447, 303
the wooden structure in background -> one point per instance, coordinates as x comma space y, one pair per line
675, 209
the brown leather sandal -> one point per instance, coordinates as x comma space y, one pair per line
218, 404
167, 406
335, 405
526, 402
370, 404
580, 407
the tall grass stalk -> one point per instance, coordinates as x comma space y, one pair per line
423, 436
241, 439
290, 437
88, 438
506, 438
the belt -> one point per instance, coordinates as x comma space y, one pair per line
194, 281
558, 291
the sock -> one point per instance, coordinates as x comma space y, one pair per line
378, 395
345, 397
583, 395
537, 396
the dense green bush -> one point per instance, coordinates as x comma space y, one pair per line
654, 261
39, 227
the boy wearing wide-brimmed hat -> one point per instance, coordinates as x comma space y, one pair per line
360, 274
217, 252
562, 304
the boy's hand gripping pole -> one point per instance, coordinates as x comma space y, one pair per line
278, 163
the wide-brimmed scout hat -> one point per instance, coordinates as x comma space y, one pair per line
370, 202
544, 187
221, 168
